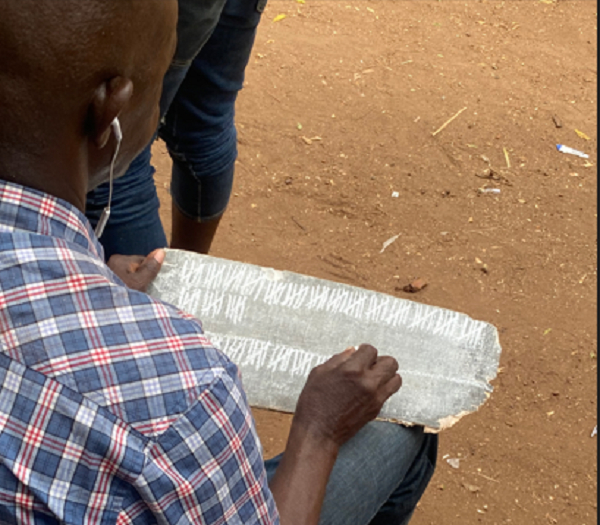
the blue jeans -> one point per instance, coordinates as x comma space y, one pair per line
215, 39
379, 476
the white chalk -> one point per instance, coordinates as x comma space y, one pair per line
566, 149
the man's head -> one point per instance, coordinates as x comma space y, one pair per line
67, 69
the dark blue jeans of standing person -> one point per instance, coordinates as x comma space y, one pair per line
215, 39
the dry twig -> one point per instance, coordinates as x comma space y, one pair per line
448, 122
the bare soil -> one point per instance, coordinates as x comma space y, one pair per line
341, 102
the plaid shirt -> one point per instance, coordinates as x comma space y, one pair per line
114, 408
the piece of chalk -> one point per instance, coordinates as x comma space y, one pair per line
566, 149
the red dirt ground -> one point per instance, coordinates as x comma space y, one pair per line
372, 81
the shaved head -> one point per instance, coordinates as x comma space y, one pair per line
68, 67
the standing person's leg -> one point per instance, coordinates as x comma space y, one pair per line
379, 476
199, 128
134, 227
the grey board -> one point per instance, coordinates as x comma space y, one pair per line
276, 326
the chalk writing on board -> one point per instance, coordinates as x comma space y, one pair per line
209, 283
264, 355
277, 326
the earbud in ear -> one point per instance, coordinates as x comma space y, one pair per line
116, 127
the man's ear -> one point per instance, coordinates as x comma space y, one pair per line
109, 100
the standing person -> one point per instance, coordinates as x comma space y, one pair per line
215, 39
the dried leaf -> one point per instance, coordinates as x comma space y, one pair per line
279, 17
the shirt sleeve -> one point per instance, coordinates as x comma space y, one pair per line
207, 467
63, 459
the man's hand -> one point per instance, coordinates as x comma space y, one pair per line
136, 271
339, 398
346, 392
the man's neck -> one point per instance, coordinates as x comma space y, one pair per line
61, 175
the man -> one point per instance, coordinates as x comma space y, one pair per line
114, 407
214, 42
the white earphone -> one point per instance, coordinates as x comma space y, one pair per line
116, 128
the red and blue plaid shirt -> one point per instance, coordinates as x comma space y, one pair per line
114, 408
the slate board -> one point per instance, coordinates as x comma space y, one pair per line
276, 326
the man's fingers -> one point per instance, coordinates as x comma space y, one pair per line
384, 369
149, 268
159, 256
391, 387
365, 356
338, 359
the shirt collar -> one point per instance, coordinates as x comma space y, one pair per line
29, 210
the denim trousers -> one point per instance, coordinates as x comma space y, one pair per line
215, 39
379, 476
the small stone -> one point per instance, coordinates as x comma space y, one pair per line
453, 462
471, 488
416, 286
488, 173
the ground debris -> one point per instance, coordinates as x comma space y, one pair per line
582, 135
506, 157
453, 462
388, 242
492, 191
448, 121
490, 174
415, 286
309, 141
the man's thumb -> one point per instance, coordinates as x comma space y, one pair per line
159, 256
150, 266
